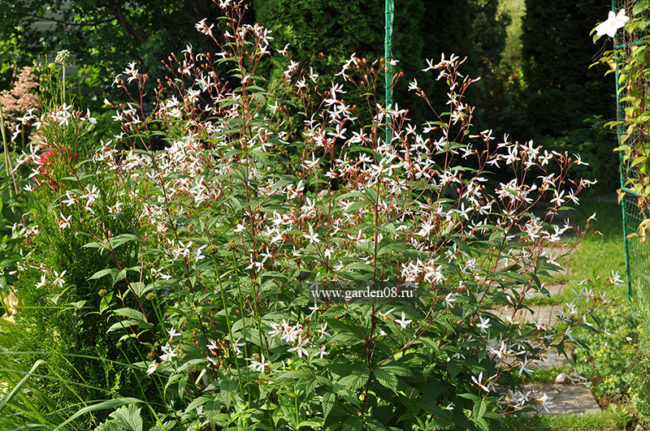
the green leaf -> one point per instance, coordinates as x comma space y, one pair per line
386, 377
129, 417
197, 402
398, 370
16, 389
119, 240
454, 368
99, 274
130, 313
354, 381
328, 403
479, 410
104, 405
127, 324
105, 302
352, 423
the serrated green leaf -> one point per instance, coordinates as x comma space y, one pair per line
385, 377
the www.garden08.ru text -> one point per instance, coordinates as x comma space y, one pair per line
341, 294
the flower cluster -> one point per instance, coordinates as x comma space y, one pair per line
21, 98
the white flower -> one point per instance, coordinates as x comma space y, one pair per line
312, 237
616, 279
168, 353
450, 299
323, 330
613, 23
237, 346
524, 369
484, 325
314, 308
479, 382
152, 368
258, 365
403, 323
321, 352
173, 333
71, 200
300, 347
58, 278
65, 221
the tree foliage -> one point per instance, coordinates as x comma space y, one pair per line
557, 51
104, 36
324, 33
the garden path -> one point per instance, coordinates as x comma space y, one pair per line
564, 399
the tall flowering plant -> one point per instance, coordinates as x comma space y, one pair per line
233, 213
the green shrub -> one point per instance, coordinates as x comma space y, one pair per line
618, 361
595, 145
196, 238
59, 300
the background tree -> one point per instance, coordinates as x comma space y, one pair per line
557, 51
565, 103
489, 35
104, 36
322, 34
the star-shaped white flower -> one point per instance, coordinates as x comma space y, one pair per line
299, 348
403, 323
152, 368
168, 353
311, 236
613, 23
173, 332
484, 325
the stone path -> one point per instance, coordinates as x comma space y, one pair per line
565, 400
553, 290
546, 314
562, 399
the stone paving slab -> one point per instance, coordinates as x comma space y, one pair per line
553, 290
552, 359
557, 253
565, 399
562, 399
546, 314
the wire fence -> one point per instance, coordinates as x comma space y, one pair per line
634, 206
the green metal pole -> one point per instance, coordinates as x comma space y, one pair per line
622, 176
388, 55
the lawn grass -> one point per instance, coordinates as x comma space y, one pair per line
599, 254
516, 9
614, 419
544, 376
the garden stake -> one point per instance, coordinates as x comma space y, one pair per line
388, 54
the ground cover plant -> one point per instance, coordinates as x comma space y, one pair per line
167, 269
